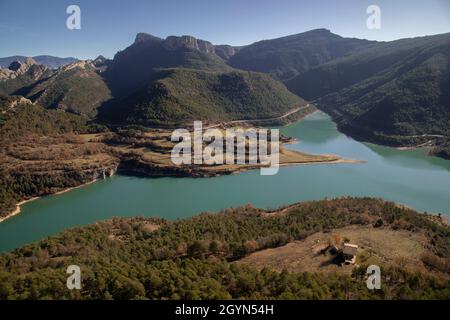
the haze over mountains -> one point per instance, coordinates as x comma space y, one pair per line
51, 62
387, 92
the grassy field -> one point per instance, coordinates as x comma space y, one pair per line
380, 246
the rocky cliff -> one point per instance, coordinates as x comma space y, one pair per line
17, 68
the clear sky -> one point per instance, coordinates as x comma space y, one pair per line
39, 27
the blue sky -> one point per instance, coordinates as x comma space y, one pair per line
39, 27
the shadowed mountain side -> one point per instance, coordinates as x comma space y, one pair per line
286, 57
394, 88
134, 68
179, 79
182, 95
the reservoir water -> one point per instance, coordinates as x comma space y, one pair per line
408, 177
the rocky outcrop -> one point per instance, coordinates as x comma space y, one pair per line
142, 37
18, 68
101, 63
190, 42
12, 103
21, 67
174, 43
225, 51
82, 64
185, 41
51, 62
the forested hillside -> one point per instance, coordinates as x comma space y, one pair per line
154, 81
183, 95
393, 93
286, 57
395, 88
23, 123
19, 117
192, 259
175, 80
77, 88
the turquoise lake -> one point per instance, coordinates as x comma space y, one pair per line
407, 177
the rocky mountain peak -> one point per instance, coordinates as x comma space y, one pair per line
100, 59
173, 42
17, 68
21, 67
142, 37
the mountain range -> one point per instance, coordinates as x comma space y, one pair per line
386, 92
51, 62
167, 81
388, 89
394, 92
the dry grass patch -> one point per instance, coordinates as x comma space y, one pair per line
380, 246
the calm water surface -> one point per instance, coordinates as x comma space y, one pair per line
407, 177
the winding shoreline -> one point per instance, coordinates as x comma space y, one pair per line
21, 203
73, 188
18, 209
339, 160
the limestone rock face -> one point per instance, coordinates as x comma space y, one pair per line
21, 67
205, 46
174, 42
6, 74
17, 68
15, 65
100, 58
225, 51
190, 42
142, 37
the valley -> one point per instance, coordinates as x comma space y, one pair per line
37, 165
375, 91
390, 93
409, 177
87, 178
